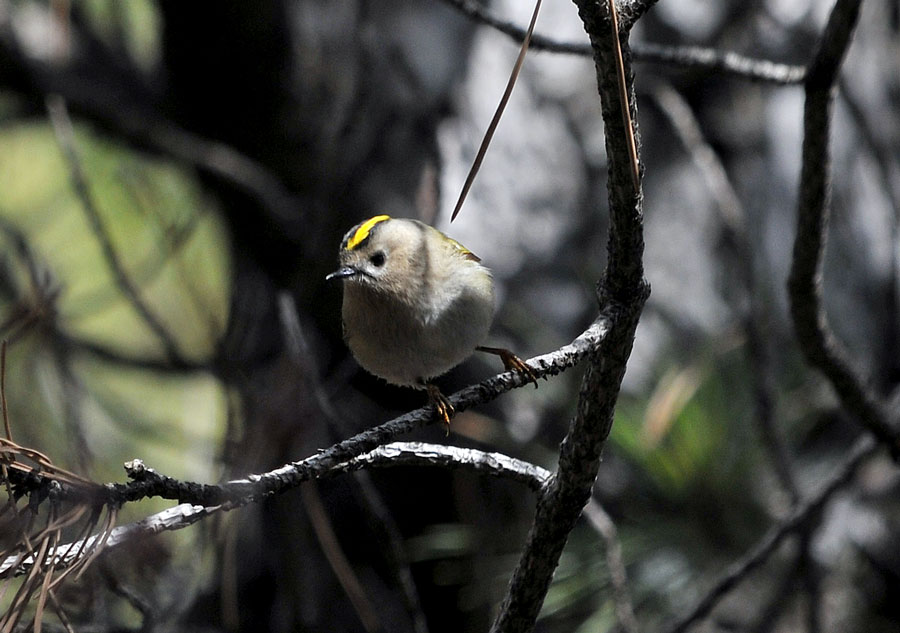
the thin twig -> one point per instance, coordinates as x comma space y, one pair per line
298, 351
147, 483
146, 127
68, 554
760, 553
137, 601
603, 523
374, 504
888, 170
734, 225
694, 57
333, 551
623, 98
65, 135
3, 391
451, 457
492, 127
714, 60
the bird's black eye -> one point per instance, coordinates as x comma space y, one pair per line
377, 259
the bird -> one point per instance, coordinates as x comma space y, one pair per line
416, 304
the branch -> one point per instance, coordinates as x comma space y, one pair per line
391, 455
759, 553
817, 341
727, 62
246, 490
450, 457
337, 560
373, 502
697, 57
147, 483
175, 518
622, 294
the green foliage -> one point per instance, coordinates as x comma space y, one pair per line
691, 431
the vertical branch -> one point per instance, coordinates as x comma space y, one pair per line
622, 293
817, 341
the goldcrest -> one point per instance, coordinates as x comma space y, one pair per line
416, 304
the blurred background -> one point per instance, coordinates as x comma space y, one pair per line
175, 179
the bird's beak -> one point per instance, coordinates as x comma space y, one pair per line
342, 273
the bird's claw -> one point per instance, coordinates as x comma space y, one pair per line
513, 363
442, 405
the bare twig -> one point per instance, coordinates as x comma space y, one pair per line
718, 61
888, 170
760, 553
36, 304
3, 405
696, 57
452, 457
67, 555
492, 127
809, 573
140, 604
333, 551
882, 149
373, 502
145, 126
623, 98
603, 523
121, 359
65, 135
817, 341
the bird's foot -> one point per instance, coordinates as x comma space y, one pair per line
512, 362
441, 404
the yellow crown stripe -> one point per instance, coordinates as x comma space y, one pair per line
363, 231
